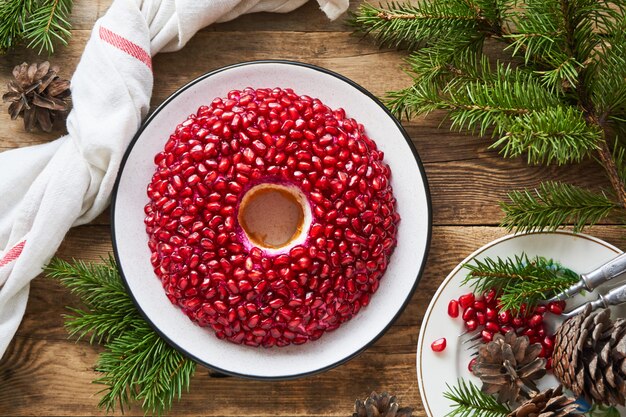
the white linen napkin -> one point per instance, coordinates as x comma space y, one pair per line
46, 189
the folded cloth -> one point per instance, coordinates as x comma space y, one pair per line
46, 189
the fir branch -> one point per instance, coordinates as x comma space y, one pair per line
519, 280
12, 15
136, 365
554, 204
39, 23
478, 97
412, 25
558, 134
469, 401
48, 24
140, 366
559, 105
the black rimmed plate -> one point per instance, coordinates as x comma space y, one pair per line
333, 348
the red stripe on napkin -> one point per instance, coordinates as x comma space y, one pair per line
125, 45
13, 253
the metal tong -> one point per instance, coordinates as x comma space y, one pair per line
614, 297
592, 280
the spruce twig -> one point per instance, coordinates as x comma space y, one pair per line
554, 204
469, 401
136, 365
519, 280
39, 23
560, 105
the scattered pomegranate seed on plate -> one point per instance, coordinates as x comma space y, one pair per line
439, 345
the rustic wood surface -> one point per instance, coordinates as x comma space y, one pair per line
44, 373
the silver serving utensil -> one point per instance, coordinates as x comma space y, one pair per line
592, 280
614, 297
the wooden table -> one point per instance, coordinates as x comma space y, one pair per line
44, 373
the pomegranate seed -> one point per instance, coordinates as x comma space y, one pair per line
471, 325
492, 327
244, 294
491, 298
504, 317
536, 320
548, 342
481, 317
480, 305
487, 336
470, 366
556, 307
469, 314
466, 300
453, 308
439, 345
518, 322
506, 329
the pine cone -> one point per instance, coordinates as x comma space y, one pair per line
38, 95
590, 356
508, 366
549, 403
382, 405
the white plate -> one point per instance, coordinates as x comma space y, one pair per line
579, 252
405, 267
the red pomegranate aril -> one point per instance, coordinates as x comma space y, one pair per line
471, 325
491, 297
469, 314
486, 336
470, 365
492, 314
504, 317
540, 309
548, 342
453, 308
536, 320
480, 305
439, 345
466, 300
556, 307
506, 329
492, 327
481, 318
518, 322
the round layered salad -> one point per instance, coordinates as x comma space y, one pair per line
271, 217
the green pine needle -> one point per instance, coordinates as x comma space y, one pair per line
554, 204
136, 365
519, 280
470, 401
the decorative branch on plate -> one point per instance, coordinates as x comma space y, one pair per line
559, 98
519, 280
136, 364
469, 401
